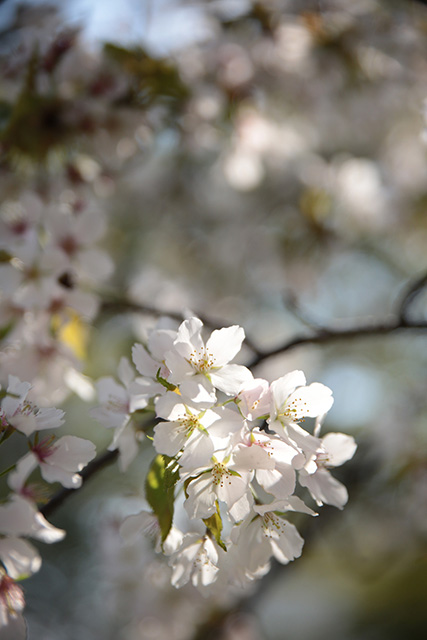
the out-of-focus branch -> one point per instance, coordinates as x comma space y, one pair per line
335, 334
411, 293
101, 461
123, 306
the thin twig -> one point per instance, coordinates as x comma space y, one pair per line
101, 461
412, 292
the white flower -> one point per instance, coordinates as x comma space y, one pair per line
272, 459
335, 449
118, 403
12, 603
291, 401
190, 425
19, 557
25, 416
19, 517
150, 361
190, 356
59, 461
269, 534
254, 398
196, 560
222, 481
75, 235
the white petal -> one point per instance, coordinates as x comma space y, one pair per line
282, 388
324, 488
339, 448
230, 378
225, 343
19, 557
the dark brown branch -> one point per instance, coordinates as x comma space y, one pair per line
326, 336
120, 306
91, 469
412, 292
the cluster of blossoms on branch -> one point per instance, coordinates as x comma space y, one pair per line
232, 457
57, 460
50, 265
231, 449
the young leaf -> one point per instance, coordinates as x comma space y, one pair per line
214, 526
160, 488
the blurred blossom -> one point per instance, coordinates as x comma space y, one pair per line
361, 193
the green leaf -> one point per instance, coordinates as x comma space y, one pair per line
214, 526
160, 490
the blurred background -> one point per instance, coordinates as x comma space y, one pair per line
262, 164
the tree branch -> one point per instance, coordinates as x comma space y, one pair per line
412, 292
101, 461
121, 305
328, 335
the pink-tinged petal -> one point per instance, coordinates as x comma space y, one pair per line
324, 488
252, 457
282, 388
254, 398
339, 448
19, 557
225, 344
230, 378
72, 453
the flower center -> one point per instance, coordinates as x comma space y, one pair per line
44, 448
220, 474
272, 525
202, 360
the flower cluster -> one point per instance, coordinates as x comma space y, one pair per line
58, 460
232, 444
50, 265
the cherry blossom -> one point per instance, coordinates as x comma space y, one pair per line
59, 461
190, 356
196, 560
23, 414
